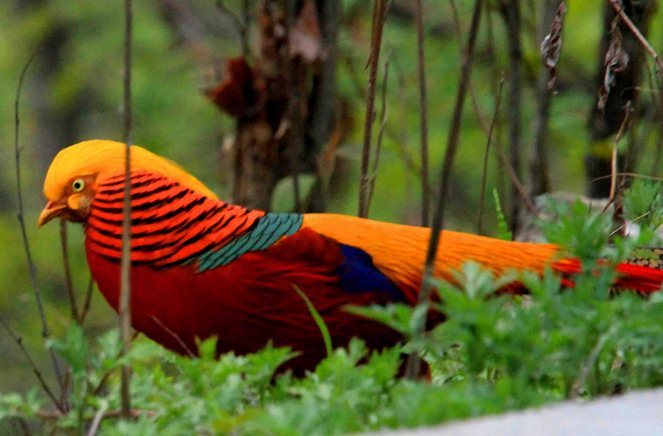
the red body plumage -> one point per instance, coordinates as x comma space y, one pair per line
248, 302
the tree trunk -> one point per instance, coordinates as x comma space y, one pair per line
285, 102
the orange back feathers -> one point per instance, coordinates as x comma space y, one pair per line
399, 250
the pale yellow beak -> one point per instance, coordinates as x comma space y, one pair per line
51, 210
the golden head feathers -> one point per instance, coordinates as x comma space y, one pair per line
103, 159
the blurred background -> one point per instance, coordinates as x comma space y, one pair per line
265, 102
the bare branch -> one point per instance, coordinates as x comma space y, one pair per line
617, 6
423, 116
414, 362
125, 263
473, 95
590, 362
33, 365
486, 155
134, 413
88, 300
73, 306
96, 421
45, 332
381, 130
174, 335
379, 17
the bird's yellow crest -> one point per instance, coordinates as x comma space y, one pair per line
103, 159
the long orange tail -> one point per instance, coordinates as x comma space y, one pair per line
399, 252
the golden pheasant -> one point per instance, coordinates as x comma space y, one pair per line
202, 267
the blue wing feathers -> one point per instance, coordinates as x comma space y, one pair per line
359, 274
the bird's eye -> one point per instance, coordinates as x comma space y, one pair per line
78, 185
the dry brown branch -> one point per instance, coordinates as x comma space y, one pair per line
379, 17
174, 335
516, 183
423, 115
87, 302
589, 363
458, 28
53, 415
628, 112
32, 364
96, 421
45, 333
414, 361
125, 262
633, 175
381, 130
486, 155
71, 295
617, 6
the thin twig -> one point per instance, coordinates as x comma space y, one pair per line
423, 116
94, 427
589, 362
634, 175
617, 6
379, 16
88, 300
23, 424
486, 155
383, 125
622, 227
45, 332
104, 378
414, 362
242, 24
395, 134
518, 186
134, 413
73, 305
623, 127
174, 335
33, 365
125, 263
471, 91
